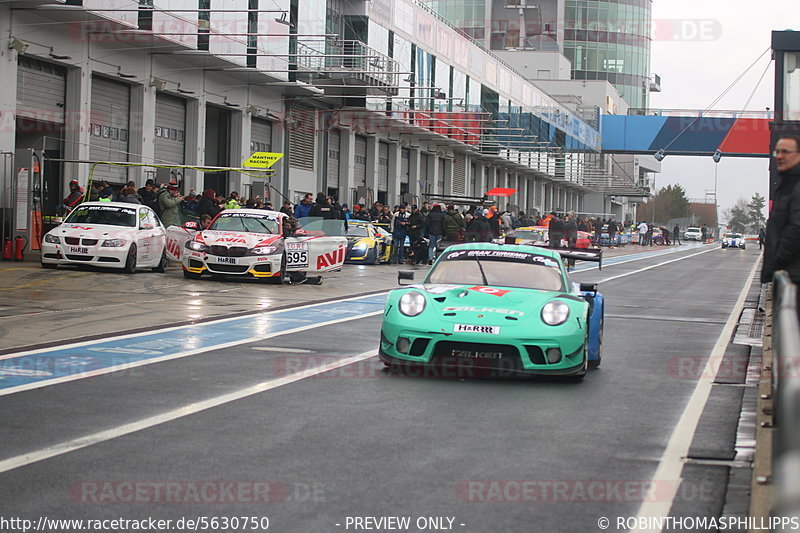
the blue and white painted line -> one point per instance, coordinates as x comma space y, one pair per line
637, 256
49, 366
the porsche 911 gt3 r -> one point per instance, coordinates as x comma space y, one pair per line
367, 244
496, 308
733, 240
107, 234
252, 242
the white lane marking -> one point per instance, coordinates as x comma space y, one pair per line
169, 357
176, 328
654, 266
279, 349
638, 256
149, 422
668, 473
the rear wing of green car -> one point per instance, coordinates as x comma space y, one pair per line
583, 254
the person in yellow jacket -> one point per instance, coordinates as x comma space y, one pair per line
233, 201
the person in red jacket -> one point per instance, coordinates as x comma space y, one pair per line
74, 198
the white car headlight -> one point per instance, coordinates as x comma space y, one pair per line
196, 246
412, 303
52, 239
555, 313
263, 250
114, 243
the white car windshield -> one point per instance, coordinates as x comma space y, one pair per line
246, 223
103, 214
734, 235
357, 231
531, 234
498, 268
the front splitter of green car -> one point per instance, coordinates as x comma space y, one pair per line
507, 341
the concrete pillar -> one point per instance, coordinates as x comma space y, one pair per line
77, 133
347, 166
142, 130
195, 136
414, 173
395, 168
240, 130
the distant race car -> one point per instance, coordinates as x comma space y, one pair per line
540, 236
733, 240
252, 242
495, 308
107, 234
367, 243
693, 234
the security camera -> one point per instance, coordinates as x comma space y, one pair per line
717, 156
660, 155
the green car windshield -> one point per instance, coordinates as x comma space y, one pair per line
509, 269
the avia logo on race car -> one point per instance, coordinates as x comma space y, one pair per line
488, 290
331, 258
231, 239
485, 310
269, 240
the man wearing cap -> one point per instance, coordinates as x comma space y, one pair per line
74, 198
169, 203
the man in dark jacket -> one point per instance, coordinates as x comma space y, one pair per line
323, 208
435, 229
478, 229
74, 197
676, 235
149, 195
416, 224
399, 233
556, 231
782, 249
570, 229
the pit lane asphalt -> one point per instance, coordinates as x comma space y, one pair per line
382, 444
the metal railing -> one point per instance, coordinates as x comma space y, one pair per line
786, 394
350, 57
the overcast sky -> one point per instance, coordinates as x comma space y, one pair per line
715, 43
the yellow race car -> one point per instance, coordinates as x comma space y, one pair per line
367, 243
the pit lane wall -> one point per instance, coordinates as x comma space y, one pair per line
776, 479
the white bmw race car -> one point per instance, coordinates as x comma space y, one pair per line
252, 242
107, 234
733, 240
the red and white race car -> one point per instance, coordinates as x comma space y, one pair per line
252, 242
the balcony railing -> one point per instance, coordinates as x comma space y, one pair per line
338, 59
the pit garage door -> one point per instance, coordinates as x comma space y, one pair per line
383, 167
110, 123
460, 174
424, 183
360, 174
41, 90
334, 153
170, 135
440, 176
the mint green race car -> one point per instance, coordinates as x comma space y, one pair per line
488, 309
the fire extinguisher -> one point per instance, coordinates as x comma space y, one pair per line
7, 250
19, 246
